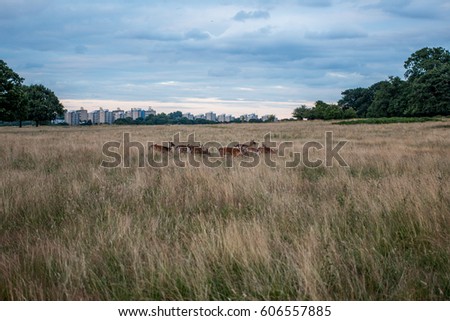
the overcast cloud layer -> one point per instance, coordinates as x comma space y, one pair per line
225, 56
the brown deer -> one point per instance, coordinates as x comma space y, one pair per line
182, 148
233, 151
266, 150
251, 150
250, 144
199, 150
162, 148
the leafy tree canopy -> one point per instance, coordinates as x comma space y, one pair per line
10, 92
429, 94
425, 92
322, 110
425, 60
19, 102
359, 99
43, 104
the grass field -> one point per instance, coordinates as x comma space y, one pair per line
378, 229
389, 120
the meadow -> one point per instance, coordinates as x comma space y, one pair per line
378, 229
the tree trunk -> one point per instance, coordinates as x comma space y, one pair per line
20, 123
37, 123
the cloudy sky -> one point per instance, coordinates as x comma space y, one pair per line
227, 56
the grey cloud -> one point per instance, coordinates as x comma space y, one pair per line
197, 34
246, 15
154, 35
336, 34
33, 65
166, 36
414, 9
14, 9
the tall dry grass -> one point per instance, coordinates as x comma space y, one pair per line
376, 230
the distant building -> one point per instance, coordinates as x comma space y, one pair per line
101, 116
188, 116
148, 112
109, 117
229, 118
72, 118
136, 113
82, 115
211, 116
267, 117
94, 117
222, 118
248, 117
118, 114
105, 116
77, 117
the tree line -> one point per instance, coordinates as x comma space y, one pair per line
425, 92
162, 119
176, 118
19, 102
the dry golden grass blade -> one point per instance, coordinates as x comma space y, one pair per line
378, 229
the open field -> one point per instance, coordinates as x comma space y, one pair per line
376, 230
387, 120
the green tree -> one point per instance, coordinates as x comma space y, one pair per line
428, 74
185, 121
302, 112
139, 121
390, 99
175, 115
124, 121
430, 93
20, 103
326, 111
43, 104
425, 60
322, 110
319, 110
349, 113
150, 119
13, 104
161, 119
426, 91
358, 99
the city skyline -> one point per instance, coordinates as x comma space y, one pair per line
106, 116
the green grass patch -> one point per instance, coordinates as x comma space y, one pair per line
386, 120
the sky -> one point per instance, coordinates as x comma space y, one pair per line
234, 57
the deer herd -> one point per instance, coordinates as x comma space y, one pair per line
233, 150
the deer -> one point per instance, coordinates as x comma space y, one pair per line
199, 150
250, 144
233, 151
266, 150
251, 150
182, 148
162, 148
